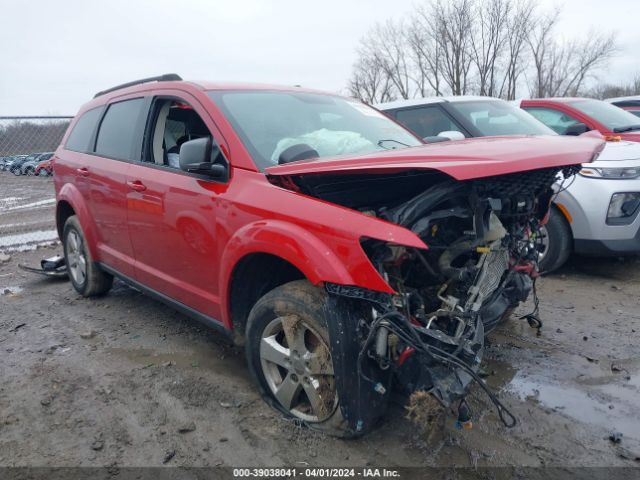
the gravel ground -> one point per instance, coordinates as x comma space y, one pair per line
122, 380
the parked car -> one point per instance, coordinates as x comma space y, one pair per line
630, 104
29, 166
16, 166
462, 116
596, 214
44, 169
3, 160
343, 253
575, 116
9, 161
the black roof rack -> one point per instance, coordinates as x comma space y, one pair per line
167, 77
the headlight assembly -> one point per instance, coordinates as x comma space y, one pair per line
611, 173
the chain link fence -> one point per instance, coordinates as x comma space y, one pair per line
27, 198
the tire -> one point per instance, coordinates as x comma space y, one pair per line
30, 171
93, 281
16, 172
559, 243
288, 378
43, 172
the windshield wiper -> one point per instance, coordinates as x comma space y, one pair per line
626, 129
380, 143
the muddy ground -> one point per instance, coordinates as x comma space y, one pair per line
123, 380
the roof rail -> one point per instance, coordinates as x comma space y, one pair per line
167, 77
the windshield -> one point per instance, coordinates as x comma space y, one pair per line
612, 117
270, 122
497, 117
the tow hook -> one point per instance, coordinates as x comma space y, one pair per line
464, 416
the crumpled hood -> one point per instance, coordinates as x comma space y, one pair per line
462, 159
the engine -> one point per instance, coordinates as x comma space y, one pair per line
481, 262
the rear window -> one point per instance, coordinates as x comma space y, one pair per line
80, 136
118, 132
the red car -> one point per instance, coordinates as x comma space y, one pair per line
575, 116
346, 256
44, 169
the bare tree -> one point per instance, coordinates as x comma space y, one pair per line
469, 46
561, 68
383, 63
387, 44
426, 51
486, 41
608, 90
517, 29
453, 19
369, 82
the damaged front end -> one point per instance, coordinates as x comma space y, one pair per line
481, 262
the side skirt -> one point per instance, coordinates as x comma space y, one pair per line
180, 307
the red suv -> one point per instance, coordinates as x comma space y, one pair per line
343, 253
575, 116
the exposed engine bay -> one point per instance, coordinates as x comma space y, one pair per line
480, 264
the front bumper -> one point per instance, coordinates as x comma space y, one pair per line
587, 201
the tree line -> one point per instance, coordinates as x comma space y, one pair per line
499, 48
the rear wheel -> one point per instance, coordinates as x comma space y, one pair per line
554, 242
30, 171
289, 356
16, 172
86, 276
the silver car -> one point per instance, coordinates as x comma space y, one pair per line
597, 212
29, 167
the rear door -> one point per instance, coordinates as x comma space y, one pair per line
118, 143
172, 214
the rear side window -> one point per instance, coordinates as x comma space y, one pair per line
119, 134
80, 137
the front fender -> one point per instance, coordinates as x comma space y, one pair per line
69, 193
292, 243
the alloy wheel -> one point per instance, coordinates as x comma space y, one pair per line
77, 262
296, 363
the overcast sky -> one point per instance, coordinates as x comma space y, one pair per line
56, 54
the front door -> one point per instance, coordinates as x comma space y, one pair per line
172, 214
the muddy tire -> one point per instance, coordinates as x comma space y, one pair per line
85, 275
559, 242
289, 356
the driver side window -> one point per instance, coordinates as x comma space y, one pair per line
554, 119
175, 122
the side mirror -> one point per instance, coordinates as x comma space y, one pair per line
199, 156
295, 153
452, 135
576, 129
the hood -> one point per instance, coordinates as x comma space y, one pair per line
620, 151
462, 159
630, 136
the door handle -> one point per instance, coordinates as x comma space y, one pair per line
136, 186
83, 172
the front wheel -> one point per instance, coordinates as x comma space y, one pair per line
86, 276
554, 242
289, 356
